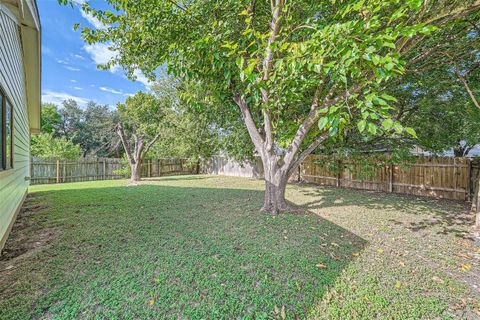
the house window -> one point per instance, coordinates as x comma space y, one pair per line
6, 133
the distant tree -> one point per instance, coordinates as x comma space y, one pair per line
71, 119
191, 134
93, 128
51, 119
141, 119
46, 146
98, 136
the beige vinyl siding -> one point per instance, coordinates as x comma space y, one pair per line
13, 184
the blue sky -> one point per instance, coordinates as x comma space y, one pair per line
69, 66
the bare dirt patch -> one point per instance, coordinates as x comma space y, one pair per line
27, 237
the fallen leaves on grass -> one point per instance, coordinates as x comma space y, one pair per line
465, 267
438, 279
320, 265
281, 312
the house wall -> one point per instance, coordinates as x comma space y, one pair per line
13, 185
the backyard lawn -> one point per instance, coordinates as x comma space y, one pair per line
196, 247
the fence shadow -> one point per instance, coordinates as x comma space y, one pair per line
440, 216
194, 250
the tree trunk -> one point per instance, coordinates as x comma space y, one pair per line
197, 169
459, 151
135, 169
476, 203
275, 185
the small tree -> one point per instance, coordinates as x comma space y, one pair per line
47, 146
51, 119
141, 119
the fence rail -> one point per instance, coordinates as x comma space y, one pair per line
59, 171
439, 177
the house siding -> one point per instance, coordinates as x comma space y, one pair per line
13, 184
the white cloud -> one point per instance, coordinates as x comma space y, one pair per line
79, 56
72, 68
101, 54
58, 97
61, 61
92, 20
142, 79
110, 90
78, 88
128, 94
72, 80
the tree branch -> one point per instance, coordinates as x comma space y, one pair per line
267, 64
151, 143
274, 28
126, 144
306, 152
249, 122
312, 117
470, 93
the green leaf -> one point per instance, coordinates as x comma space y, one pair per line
372, 128
389, 66
361, 125
398, 127
411, 132
387, 124
322, 123
389, 44
389, 97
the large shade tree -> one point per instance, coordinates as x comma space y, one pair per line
285, 66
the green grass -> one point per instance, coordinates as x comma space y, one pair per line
197, 247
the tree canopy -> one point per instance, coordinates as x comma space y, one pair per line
142, 121
46, 146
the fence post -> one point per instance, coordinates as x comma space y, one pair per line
476, 202
339, 172
64, 173
104, 169
390, 178
455, 176
58, 171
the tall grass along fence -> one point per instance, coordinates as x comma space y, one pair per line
439, 177
59, 171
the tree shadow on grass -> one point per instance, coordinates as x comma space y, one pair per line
446, 217
167, 252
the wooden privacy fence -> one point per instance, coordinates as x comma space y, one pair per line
439, 177
59, 171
